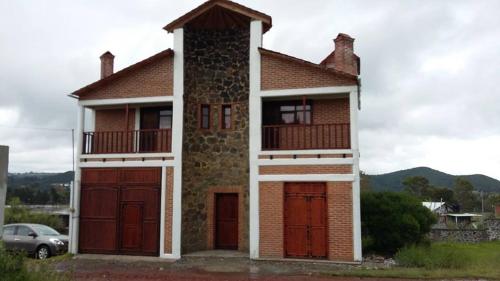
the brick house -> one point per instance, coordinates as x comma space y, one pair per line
221, 144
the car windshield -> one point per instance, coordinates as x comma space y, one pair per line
45, 230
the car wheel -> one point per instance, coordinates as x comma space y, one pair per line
43, 252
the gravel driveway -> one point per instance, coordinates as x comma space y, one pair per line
231, 269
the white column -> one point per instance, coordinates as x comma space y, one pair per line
255, 116
177, 128
75, 213
4, 164
91, 125
356, 210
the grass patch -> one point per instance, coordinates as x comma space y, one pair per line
440, 260
16, 267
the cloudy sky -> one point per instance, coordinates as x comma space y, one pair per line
430, 71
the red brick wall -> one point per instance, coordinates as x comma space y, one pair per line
331, 111
300, 169
113, 119
280, 73
340, 234
169, 210
154, 79
271, 220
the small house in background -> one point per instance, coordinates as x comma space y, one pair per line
440, 209
464, 219
497, 210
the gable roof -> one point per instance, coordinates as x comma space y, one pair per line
226, 4
307, 63
128, 70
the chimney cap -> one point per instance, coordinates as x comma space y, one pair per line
107, 54
343, 36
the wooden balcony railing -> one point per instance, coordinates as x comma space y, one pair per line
298, 137
138, 141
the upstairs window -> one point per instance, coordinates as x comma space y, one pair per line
226, 116
286, 112
204, 116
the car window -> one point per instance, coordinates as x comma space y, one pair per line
45, 230
23, 230
8, 230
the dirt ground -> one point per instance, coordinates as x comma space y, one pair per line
197, 269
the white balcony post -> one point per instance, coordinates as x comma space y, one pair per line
75, 213
353, 102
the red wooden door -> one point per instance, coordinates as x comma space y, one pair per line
120, 211
305, 220
131, 226
226, 221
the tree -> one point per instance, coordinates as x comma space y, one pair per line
392, 220
464, 193
416, 185
364, 182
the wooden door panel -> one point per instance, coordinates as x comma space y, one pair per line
226, 221
131, 226
305, 220
120, 211
297, 243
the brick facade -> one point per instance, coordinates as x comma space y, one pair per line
151, 80
113, 120
271, 218
330, 111
309, 169
340, 223
169, 174
279, 73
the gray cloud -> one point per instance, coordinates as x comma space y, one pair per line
429, 71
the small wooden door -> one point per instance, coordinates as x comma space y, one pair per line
226, 221
131, 226
305, 220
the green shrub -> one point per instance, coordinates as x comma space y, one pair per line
20, 214
13, 268
442, 256
391, 221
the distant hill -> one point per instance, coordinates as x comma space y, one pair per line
42, 180
394, 181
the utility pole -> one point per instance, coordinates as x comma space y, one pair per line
4, 165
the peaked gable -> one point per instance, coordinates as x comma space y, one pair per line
215, 13
280, 71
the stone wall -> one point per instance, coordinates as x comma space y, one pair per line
216, 65
489, 232
493, 229
459, 235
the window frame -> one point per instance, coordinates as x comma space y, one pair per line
222, 117
201, 116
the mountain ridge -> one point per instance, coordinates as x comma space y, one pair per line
393, 181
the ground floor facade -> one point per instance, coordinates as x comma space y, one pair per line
130, 210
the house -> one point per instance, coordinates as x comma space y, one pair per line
464, 219
497, 210
220, 143
439, 208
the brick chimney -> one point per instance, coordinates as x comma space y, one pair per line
107, 60
343, 58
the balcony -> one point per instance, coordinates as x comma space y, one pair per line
306, 136
132, 141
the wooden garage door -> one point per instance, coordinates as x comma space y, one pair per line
120, 211
305, 220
